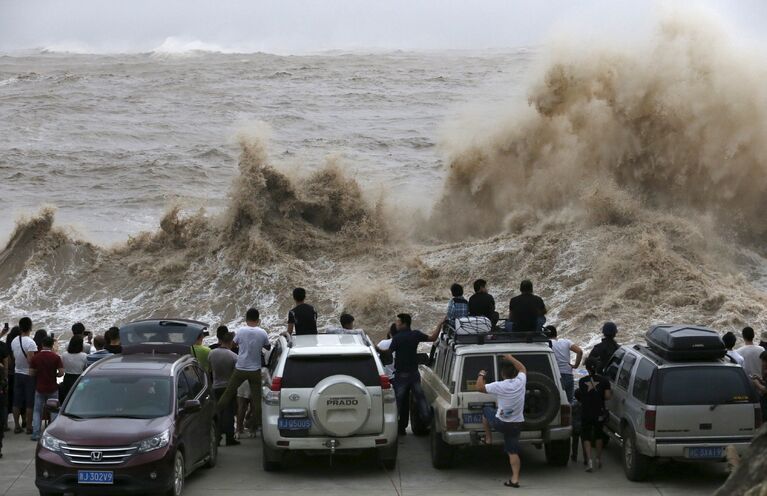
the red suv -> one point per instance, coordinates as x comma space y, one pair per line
132, 424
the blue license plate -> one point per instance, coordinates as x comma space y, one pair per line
294, 424
715, 453
95, 477
472, 418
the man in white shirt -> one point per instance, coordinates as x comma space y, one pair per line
508, 418
23, 348
562, 348
750, 352
729, 340
250, 339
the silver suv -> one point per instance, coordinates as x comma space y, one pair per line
449, 382
693, 410
327, 393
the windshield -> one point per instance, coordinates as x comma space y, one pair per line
125, 396
157, 334
703, 386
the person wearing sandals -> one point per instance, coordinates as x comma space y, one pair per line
509, 416
593, 390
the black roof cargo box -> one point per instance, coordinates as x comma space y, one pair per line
685, 342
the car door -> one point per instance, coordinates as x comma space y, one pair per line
199, 423
184, 429
613, 406
472, 401
617, 405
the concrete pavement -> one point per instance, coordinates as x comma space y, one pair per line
477, 471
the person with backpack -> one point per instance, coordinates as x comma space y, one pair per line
593, 391
605, 349
458, 306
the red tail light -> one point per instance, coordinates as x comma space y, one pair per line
649, 420
565, 415
757, 417
385, 382
276, 384
452, 423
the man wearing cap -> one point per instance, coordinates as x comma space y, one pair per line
605, 349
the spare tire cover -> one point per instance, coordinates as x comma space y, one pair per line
542, 401
340, 405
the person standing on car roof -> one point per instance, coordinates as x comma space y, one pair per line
605, 349
303, 317
729, 341
507, 419
593, 391
527, 312
750, 353
562, 349
407, 379
482, 303
222, 362
458, 306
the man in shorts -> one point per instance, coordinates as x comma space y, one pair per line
508, 418
23, 348
593, 390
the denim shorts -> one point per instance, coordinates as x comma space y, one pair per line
510, 430
23, 391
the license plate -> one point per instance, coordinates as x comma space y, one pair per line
95, 477
705, 453
291, 424
472, 418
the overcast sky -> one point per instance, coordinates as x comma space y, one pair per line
284, 26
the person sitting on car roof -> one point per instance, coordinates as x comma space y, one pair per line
303, 317
527, 312
482, 303
458, 306
729, 341
509, 416
407, 379
605, 349
593, 391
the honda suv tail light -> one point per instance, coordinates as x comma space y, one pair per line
273, 396
452, 422
565, 412
757, 417
649, 420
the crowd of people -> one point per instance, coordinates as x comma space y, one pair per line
30, 368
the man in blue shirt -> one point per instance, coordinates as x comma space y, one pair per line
407, 379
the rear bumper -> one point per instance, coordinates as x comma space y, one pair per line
472, 437
678, 448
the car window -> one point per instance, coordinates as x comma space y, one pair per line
193, 380
533, 362
439, 361
611, 371
182, 389
624, 376
703, 386
471, 367
447, 369
274, 357
307, 371
642, 380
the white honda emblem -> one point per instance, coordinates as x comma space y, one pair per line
96, 456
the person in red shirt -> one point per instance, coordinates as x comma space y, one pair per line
45, 367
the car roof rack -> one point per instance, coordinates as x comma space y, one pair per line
497, 335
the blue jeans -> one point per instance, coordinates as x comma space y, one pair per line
407, 385
568, 384
510, 430
37, 414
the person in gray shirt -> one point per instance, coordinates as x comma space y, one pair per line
222, 361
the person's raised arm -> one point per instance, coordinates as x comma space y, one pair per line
578, 355
519, 365
481, 384
435, 333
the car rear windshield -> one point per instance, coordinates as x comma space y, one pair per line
120, 397
156, 333
703, 386
307, 371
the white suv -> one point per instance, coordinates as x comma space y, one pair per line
327, 393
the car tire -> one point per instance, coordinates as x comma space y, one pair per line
213, 446
388, 456
442, 454
635, 464
271, 459
542, 401
46, 493
557, 452
417, 424
179, 473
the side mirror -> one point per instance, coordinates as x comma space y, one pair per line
52, 405
191, 406
423, 358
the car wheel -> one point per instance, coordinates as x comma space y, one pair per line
179, 471
442, 454
213, 447
557, 452
270, 458
417, 424
388, 456
635, 464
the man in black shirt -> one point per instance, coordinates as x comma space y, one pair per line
605, 349
407, 379
481, 303
303, 317
527, 311
593, 391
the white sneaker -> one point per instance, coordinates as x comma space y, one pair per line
590, 466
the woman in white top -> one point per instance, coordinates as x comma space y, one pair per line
75, 360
